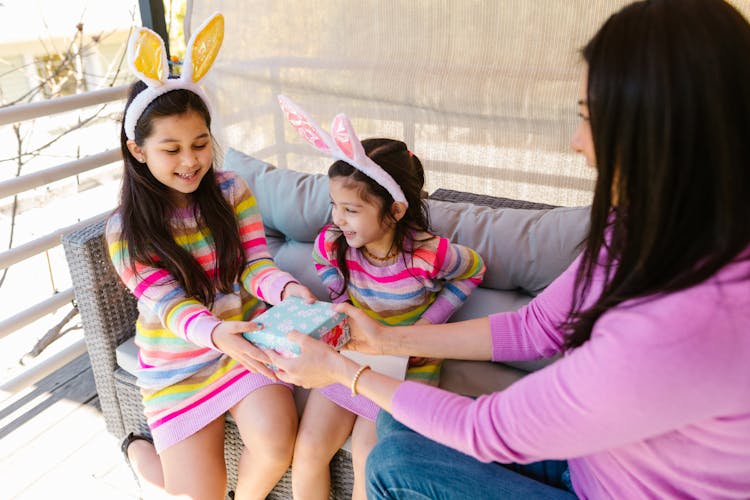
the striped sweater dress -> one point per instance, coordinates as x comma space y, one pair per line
433, 280
185, 381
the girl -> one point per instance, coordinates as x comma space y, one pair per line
651, 398
189, 242
379, 255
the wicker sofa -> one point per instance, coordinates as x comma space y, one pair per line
524, 245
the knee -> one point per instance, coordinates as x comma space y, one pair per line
271, 438
311, 448
285, 426
272, 452
281, 446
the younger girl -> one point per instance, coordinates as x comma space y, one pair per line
188, 241
379, 255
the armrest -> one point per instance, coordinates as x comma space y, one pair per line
486, 200
108, 311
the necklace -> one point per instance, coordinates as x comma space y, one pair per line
389, 255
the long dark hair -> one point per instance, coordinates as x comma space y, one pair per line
406, 169
669, 104
146, 209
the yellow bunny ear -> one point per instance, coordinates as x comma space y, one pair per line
147, 57
203, 47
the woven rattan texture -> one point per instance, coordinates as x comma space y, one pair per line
131, 405
108, 312
485, 200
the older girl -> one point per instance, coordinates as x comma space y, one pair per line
189, 242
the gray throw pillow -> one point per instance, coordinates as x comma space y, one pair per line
521, 248
295, 204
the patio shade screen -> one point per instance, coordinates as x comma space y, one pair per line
484, 92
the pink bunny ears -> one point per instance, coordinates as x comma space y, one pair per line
344, 145
147, 58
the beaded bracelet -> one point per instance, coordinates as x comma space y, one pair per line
356, 378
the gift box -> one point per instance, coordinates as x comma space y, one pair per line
317, 320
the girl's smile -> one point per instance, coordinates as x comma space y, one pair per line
359, 219
178, 153
188, 176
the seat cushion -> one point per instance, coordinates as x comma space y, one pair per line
126, 355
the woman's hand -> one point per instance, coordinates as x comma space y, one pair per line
227, 336
316, 366
319, 365
367, 335
294, 289
418, 360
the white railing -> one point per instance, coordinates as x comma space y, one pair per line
16, 185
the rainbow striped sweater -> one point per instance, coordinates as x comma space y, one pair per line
431, 279
186, 382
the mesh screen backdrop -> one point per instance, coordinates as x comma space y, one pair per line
483, 91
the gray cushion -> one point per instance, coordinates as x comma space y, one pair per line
126, 355
295, 257
521, 248
295, 204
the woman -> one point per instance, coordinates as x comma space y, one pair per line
652, 395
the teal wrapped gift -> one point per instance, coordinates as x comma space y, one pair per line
317, 320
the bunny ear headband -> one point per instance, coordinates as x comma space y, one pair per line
147, 58
344, 145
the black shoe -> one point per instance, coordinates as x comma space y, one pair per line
124, 448
127, 442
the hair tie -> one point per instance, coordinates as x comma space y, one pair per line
147, 58
344, 145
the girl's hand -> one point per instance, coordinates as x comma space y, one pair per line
367, 335
314, 367
227, 336
293, 289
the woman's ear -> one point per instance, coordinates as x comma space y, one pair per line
136, 151
398, 210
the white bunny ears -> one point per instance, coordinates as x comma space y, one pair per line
147, 58
344, 145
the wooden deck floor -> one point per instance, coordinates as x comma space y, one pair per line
54, 444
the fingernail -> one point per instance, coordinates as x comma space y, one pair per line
258, 325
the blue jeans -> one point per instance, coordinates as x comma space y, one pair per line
407, 465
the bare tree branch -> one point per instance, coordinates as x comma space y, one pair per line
22, 157
52, 334
80, 124
14, 210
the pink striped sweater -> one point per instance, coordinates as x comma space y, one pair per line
186, 382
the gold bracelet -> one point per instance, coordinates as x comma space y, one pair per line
356, 378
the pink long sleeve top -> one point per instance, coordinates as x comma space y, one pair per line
655, 405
